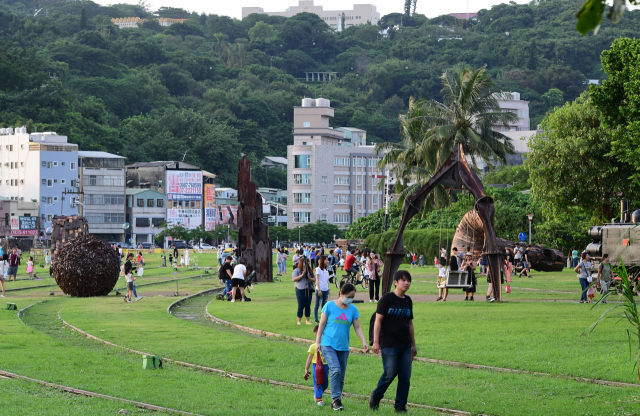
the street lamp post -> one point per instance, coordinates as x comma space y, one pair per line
530, 216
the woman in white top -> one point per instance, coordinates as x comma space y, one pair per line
322, 285
4, 269
237, 280
584, 271
279, 261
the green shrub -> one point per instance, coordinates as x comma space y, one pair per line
425, 242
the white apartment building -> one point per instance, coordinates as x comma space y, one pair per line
102, 183
39, 167
329, 177
135, 22
360, 14
518, 107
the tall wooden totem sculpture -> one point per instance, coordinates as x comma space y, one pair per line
455, 173
254, 244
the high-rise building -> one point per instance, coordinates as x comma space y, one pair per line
332, 173
518, 107
102, 186
39, 167
360, 14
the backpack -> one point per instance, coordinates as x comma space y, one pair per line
372, 322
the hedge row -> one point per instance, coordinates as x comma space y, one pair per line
425, 242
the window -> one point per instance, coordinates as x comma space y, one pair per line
55, 163
302, 198
157, 221
73, 165
324, 198
341, 218
49, 165
160, 203
22, 164
11, 148
44, 199
523, 114
301, 217
358, 179
306, 124
44, 163
150, 203
49, 200
143, 222
55, 181
49, 182
63, 181
12, 183
141, 202
301, 179
73, 183
44, 181
374, 199
55, 199
302, 161
341, 180
341, 199
49, 217
341, 161
100, 180
358, 199
324, 179
62, 163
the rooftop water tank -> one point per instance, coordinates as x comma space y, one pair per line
515, 95
3, 131
308, 102
9, 130
323, 102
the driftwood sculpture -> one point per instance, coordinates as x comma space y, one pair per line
254, 244
454, 173
470, 233
86, 266
64, 229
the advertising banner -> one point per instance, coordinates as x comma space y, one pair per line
234, 212
184, 185
210, 210
28, 223
187, 217
24, 232
224, 214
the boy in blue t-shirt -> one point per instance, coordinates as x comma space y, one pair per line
318, 389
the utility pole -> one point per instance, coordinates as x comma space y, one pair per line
530, 216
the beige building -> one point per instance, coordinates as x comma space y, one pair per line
360, 13
518, 107
329, 177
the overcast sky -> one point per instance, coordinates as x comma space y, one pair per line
429, 8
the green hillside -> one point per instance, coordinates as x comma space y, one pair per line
217, 87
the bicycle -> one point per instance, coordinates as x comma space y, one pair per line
350, 277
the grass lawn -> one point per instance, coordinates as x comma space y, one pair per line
528, 331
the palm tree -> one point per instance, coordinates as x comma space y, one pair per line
430, 130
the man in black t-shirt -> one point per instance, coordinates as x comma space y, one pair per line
226, 273
366, 252
393, 337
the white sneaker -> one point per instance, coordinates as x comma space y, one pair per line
233, 300
371, 300
139, 297
320, 403
1, 296
242, 299
492, 300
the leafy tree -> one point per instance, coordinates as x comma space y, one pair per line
591, 13
83, 19
618, 101
553, 97
261, 32
517, 176
571, 164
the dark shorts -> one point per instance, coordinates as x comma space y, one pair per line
237, 282
353, 270
130, 285
525, 264
13, 270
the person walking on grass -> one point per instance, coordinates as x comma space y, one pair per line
583, 269
30, 268
4, 269
285, 255
237, 280
502, 273
525, 263
279, 261
322, 286
318, 390
470, 266
333, 337
374, 278
130, 280
576, 258
509, 260
604, 275
303, 279
393, 338
226, 274
128, 269
14, 261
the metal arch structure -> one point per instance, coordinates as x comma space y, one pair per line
454, 173
254, 245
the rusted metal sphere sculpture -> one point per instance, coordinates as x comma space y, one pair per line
86, 266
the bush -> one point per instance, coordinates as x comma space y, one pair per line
425, 242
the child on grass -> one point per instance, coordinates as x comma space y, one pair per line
130, 279
591, 292
318, 390
4, 270
30, 268
181, 260
442, 274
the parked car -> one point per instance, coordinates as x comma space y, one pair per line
180, 245
205, 246
145, 246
